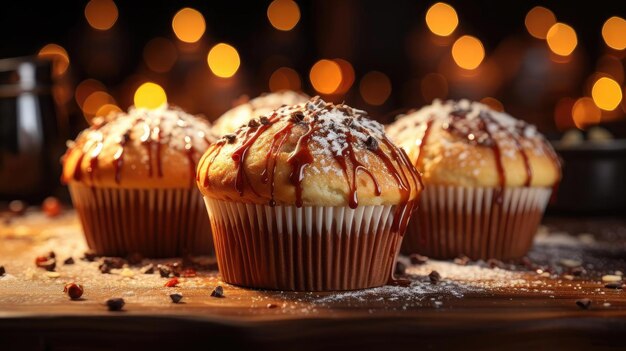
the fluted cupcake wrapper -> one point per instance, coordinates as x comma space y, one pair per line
454, 221
155, 223
304, 249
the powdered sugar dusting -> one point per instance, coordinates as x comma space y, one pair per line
479, 125
170, 126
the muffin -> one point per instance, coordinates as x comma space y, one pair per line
488, 179
310, 197
241, 114
131, 177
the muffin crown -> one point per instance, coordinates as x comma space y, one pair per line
310, 154
140, 149
241, 114
463, 143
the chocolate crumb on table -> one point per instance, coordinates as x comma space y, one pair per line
400, 268
147, 269
614, 285
218, 291
115, 304
434, 277
176, 297
583, 303
2, 271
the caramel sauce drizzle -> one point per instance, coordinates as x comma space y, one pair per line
482, 136
146, 139
301, 157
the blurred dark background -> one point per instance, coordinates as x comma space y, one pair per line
381, 56
390, 37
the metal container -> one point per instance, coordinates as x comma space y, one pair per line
594, 178
30, 144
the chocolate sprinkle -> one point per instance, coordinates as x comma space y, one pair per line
165, 271
434, 277
176, 297
614, 285
49, 265
400, 268
253, 123
69, 260
264, 120
104, 268
218, 291
2, 271
230, 138
583, 303
147, 269
371, 143
297, 116
90, 256
272, 305
114, 262
115, 304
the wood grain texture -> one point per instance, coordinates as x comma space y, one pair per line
473, 306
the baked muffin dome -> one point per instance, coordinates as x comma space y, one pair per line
241, 114
143, 148
310, 154
463, 143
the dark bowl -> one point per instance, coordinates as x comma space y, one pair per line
594, 178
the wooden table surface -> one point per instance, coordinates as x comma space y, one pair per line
473, 306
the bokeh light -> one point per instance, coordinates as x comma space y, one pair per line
538, 21
188, 25
160, 55
494, 103
284, 78
347, 76
59, 57
86, 88
150, 95
442, 19
375, 88
562, 39
585, 113
101, 14
606, 93
283, 14
434, 86
614, 33
325, 76
468, 52
95, 101
106, 109
223, 60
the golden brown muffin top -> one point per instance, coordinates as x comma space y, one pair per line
463, 143
310, 154
143, 148
241, 114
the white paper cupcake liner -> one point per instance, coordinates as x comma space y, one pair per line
304, 249
454, 221
155, 223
